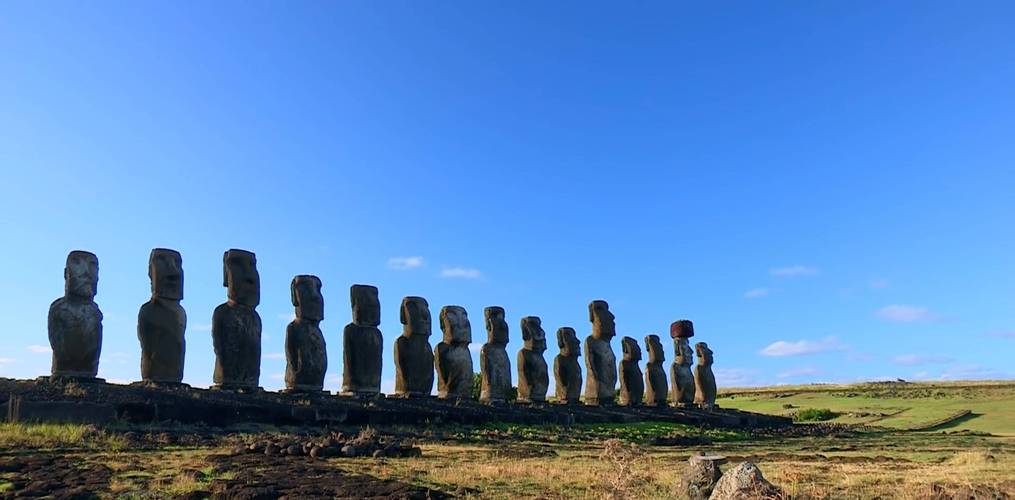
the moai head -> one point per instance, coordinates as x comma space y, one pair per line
632, 351
240, 276
165, 268
415, 315
655, 349
81, 274
533, 334
496, 326
682, 329
307, 298
704, 354
683, 352
603, 326
366, 307
568, 343
455, 325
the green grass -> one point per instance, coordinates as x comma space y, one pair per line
893, 406
638, 432
814, 415
18, 435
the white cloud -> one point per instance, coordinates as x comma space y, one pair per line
39, 349
405, 263
756, 293
475, 347
736, 377
802, 347
286, 317
201, 327
461, 272
277, 376
7, 361
916, 359
794, 271
906, 314
798, 372
274, 355
1002, 335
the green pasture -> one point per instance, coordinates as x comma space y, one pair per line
896, 405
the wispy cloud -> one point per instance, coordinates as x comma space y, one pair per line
461, 272
7, 361
756, 293
1002, 335
39, 349
286, 317
736, 377
906, 314
798, 372
917, 359
274, 355
201, 327
784, 348
793, 271
879, 283
405, 263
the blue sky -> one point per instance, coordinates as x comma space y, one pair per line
824, 188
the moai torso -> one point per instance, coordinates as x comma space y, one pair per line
363, 344
162, 321
656, 388
236, 326
566, 370
414, 362
682, 379
533, 379
494, 365
306, 351
632, 387
452, 358
75, 321
600, 362
704, 379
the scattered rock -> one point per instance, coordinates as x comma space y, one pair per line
701, 476
744, 482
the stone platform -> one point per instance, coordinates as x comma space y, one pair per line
101, 403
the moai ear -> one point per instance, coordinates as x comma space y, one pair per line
292, 290
225, 272
402, 317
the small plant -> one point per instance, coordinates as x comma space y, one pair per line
814, 415
621, 478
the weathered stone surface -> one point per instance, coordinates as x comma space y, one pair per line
162, 322
682, 329
600, 361
566, 370
533, 379
744, 482
414, 363
704, 380
362, 344
656, 388
75, 321
306, 351
632, 386
701, 476
494, 365
681, 377
452, 358
236, 326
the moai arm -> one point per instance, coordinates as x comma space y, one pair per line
592, 359
292, 352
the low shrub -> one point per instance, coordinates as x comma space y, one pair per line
814, 415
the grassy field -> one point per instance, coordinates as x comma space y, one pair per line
973, 406
882, 458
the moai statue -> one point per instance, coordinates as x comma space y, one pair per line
306, 352
566, 369
704, 379
600, 362
533, 379
161, 322
236, 326
494, 365
656, 388
362, 344
632, 387
75, 321
681, 379
413, 354
452, 358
